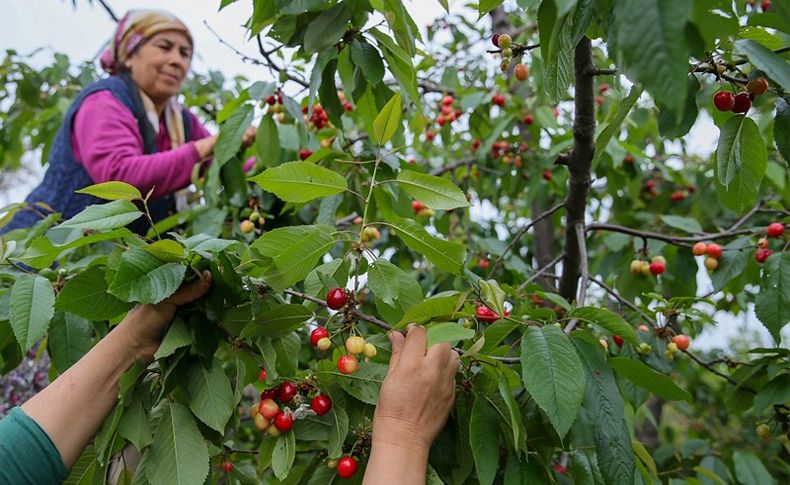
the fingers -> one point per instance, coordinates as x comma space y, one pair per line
415, 344
192, 290
396, 339
439, 354
453, 363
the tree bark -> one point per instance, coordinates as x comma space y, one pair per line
579, 165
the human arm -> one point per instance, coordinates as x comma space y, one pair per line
415, 401
72, 409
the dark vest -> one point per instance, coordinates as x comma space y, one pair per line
65, 174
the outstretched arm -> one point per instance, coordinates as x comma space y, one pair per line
72, 409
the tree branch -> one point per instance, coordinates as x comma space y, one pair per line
109, 11
449, 168
579, 165
521, 234
541, 271
582, 295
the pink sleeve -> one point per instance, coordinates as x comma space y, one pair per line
107, 142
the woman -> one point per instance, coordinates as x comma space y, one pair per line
129, 126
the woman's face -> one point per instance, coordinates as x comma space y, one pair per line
160, 65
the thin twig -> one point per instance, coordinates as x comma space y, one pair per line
541, 271
109, 10
622, 300
449, 168
521, 234
582, 294
720, 374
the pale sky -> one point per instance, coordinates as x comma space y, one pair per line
26, 25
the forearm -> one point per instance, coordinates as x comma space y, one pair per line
407, 461
72, 409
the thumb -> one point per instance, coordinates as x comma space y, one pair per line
192, 290
396, 338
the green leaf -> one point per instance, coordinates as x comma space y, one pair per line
775, 392
512, 407
283, 455
177, 336
387, 121
643, 376
614, 126
206, 246
135, 426
167, 250
437, 307
277, 322
607, 320
368, 59
782, 128
741, 161
210, 395
553, 375
686, 224
70, 337
484, 440
383, 280
42, 252
327, 29
604, 407
144, 278
30, 309
231, 133
672, 126
770, 63
559, 35
337, 431
294, 252
365, 384
731, 264
267, 142
178, 454
485, 6
86, 295
657, 27
435, 192
447, 255
112, 191
448, 332
772, 304
300, 181
104, 217
749, 470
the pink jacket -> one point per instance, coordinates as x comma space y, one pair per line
107, 142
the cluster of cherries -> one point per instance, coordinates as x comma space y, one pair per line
774, 230
268, 415
319, 118
448, 113
741, 102
504, 42
656, 266
246, 226
487, 315
421, 209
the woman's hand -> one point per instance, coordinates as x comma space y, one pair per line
145, 324
415, 400
205, 146
249, 136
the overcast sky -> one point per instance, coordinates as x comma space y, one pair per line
26, 25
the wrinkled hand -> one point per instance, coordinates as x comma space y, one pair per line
418, 392
249, 136
145, 324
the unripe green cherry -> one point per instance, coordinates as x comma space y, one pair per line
507, 52
504, 41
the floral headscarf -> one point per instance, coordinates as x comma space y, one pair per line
134, 28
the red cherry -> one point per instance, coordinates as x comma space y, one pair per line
628, 158
262, 375
321, 404
305, 153
441, 121
271, 100
286, 391
766, 5
347, 467
724, 101
495, 39
775, 229
762, 254
280, 98
417, 205
618, 340
269, 394
599, 100
498, 99
682, 341
475, 144
336, 298
714, 250
347, 106
603, 88
677, 196
485, 314
317, 335
657, 267
547, 175
430, 135
757, 86
284, 421
483, 263
742, 103
699, 249
347, 364
528, 119
560, 469
446, 110
227, 466
447, 100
